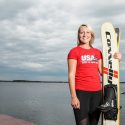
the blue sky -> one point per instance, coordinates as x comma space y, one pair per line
36, 35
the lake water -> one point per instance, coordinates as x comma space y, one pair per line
41, 103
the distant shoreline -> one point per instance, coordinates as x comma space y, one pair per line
33, 81
45, 81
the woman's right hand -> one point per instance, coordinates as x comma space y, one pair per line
75, 103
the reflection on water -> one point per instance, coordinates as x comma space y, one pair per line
44, 104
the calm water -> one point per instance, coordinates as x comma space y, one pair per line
42, 103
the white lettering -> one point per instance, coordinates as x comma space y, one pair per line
88, 58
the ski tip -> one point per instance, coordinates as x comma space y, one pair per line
107, 23
117, 29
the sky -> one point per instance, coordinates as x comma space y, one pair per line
36, 35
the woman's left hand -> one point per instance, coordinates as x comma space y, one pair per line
117, 55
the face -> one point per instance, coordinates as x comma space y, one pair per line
84, 35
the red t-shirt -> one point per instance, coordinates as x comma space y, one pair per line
87, 76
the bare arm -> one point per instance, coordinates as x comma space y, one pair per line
71, 78
100, 67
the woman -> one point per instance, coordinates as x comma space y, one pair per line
84, 67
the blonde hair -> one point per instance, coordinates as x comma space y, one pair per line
92, 34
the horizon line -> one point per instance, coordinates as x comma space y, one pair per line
63, 81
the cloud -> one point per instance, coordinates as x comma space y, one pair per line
10, 9
36, 36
